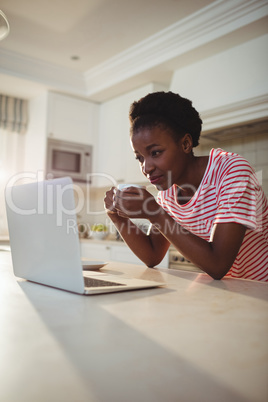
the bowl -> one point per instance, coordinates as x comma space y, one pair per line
98, 235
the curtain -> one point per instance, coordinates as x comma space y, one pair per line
13, 114
13, 124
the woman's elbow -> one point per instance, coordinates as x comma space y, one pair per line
217, 276
154, 262
217, 273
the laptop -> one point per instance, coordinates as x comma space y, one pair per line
44, 240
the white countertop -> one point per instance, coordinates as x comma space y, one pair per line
194, 340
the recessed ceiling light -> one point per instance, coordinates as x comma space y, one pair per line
75, 58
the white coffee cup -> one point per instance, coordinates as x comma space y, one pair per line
126, 185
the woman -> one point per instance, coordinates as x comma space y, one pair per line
211, 208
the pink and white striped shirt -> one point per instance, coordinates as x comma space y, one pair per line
229, 192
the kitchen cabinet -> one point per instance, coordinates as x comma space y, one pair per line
124, 254
112, 251
59, 117
94, 251
72, 119
112, 147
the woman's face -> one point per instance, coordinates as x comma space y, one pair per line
162, 160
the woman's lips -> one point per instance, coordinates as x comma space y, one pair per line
155, 179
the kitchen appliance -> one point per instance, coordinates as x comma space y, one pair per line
66, 158
177, 261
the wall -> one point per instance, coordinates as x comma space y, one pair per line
35, 138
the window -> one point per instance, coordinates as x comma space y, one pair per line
13, 125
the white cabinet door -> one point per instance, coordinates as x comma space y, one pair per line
111, 252
133, 171
124, 254
96, 252
72, 119
111, 148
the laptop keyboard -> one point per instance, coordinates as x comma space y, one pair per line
95, 283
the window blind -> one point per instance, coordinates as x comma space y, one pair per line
13, 114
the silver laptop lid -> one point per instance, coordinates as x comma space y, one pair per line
43, 237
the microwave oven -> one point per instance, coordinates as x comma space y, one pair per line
66, 158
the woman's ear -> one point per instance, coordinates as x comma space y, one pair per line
187, 143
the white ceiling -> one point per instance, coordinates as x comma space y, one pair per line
107, 38
94, 30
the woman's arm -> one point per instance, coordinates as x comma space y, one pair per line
150, 249
215, 257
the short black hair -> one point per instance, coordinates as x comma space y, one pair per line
169, 110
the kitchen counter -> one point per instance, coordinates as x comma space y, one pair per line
195, 339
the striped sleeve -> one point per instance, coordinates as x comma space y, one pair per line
238, 193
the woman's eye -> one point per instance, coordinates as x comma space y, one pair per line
156, 153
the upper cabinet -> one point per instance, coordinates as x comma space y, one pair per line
75, 120
63, 118
72, 119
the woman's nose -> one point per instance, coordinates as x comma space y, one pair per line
147, 167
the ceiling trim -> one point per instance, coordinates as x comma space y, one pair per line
210, 23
